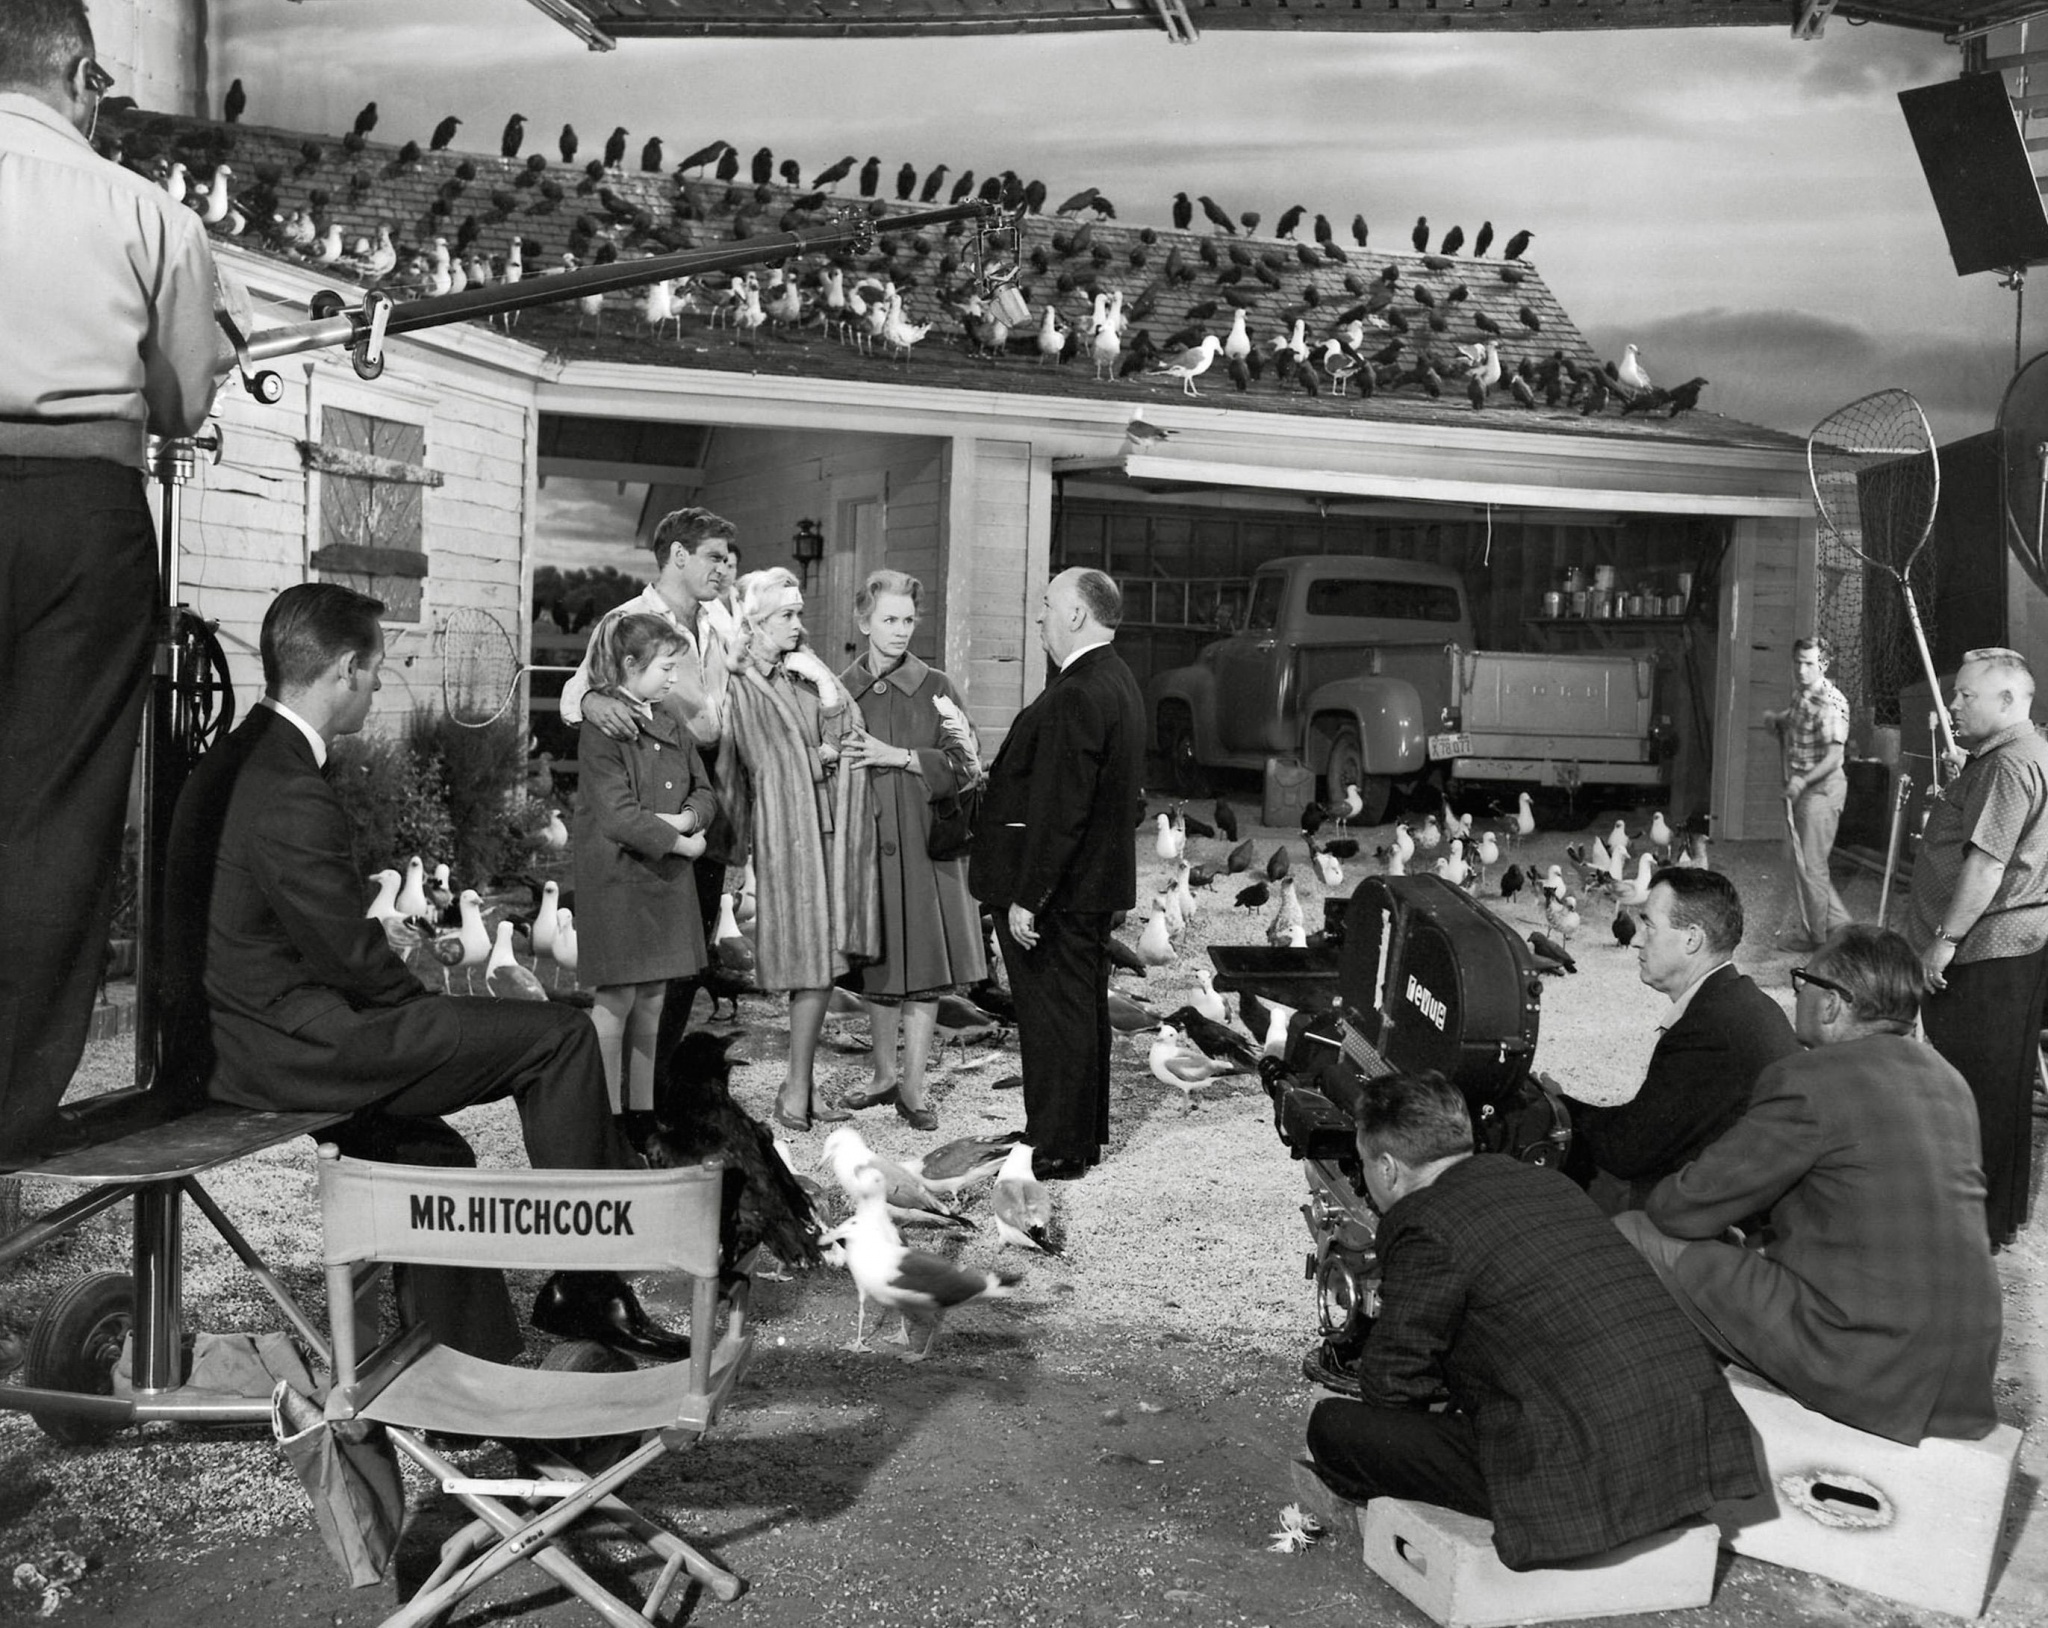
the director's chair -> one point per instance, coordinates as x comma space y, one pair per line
554, 1220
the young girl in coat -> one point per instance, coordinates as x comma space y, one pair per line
640, 820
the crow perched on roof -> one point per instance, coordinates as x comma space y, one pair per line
1484, 240
728, 163
870, 177
1183, 211
1420, 236
237, 100
1454, 240
1517, 245
1217, 215
1359, 230
763, 167
366, 121
650, 156
514, 137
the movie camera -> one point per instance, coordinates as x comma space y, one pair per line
1412, 974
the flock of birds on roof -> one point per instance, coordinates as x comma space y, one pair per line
1407, 328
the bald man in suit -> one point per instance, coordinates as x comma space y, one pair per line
1053, 857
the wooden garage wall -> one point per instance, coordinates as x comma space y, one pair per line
765, 481
251, 523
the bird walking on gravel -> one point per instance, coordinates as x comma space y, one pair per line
1176, 1063
1021, 1204
905, 1281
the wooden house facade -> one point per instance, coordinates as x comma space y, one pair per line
979, 468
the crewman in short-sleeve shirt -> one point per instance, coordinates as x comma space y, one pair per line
1980, 918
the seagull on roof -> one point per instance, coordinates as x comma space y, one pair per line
1630, 372
903, 1280
1021, 1205
1143, 433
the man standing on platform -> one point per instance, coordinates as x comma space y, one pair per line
1980, 919
1054, 859
694, 559
1815, 730
108, 337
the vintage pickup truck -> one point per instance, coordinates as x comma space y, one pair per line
1363, 669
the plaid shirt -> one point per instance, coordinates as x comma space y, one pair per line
1995, 805
1599, 1415
1818, 719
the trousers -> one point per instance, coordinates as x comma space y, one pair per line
78, 604
1816, 815
1364, 1452
1062, 993
1988, 1024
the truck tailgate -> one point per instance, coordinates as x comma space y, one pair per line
1591, 695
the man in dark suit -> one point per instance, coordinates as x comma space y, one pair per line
1582, 1415
1870, 1295
282, 994
1054, 859
1720, 1033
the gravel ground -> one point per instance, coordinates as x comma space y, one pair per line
1108, 1448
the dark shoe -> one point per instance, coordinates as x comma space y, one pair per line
871, 1099
601, 1306
1009, 1082
828, 1112
921, 1118
790, 1122
1058, 1169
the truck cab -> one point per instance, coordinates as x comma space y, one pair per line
1340, 662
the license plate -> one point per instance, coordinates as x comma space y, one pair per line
1450, 746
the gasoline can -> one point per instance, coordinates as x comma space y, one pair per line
1290, 788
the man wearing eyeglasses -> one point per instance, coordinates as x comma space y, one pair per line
107, 334
1870, 1295
1980, 919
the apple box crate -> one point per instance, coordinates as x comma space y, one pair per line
1445, 1564
1915, 1524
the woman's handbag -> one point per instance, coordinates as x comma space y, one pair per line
953, 818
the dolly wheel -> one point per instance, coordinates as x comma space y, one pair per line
74, 1346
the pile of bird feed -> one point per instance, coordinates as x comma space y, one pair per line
1191, 1228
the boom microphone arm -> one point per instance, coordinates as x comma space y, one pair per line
363, 329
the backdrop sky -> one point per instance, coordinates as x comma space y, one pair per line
1736, 203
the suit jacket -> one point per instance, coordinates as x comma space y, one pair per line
282, 993
1064, 794
1873, 1298
1599, 1415
1698, 1083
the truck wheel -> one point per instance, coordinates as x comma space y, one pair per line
1347, 768
1177, 746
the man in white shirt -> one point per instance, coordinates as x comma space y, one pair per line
693, 555
107, 334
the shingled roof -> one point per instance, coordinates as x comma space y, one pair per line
1166, 277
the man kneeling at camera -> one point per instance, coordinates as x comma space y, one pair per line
1525, 1366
